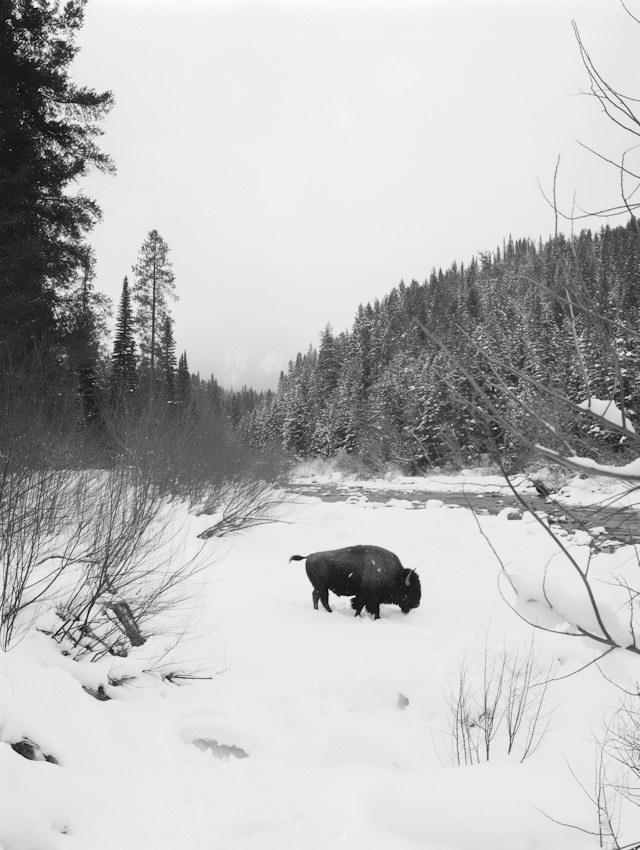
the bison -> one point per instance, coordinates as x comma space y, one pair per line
372, 575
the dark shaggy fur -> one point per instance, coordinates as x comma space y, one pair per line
372, 575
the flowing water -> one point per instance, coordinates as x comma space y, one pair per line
621, 525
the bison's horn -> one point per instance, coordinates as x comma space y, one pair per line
408, 579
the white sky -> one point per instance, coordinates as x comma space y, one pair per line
301, 158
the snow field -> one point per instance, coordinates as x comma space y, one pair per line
344, 720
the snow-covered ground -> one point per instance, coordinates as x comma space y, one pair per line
314, 730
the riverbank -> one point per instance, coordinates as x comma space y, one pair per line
605, 509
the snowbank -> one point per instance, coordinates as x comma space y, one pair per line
316, 730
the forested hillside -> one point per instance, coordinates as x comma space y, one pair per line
383, 391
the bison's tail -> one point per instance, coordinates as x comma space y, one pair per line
298, 558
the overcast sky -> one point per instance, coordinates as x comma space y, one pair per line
301, 158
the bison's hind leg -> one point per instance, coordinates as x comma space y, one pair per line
324, 598
321, 596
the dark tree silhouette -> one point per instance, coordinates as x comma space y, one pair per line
48, 140
183, 380
154, 285
167, 360
124, 361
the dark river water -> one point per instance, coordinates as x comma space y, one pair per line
622, 525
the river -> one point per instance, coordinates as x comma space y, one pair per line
621, 525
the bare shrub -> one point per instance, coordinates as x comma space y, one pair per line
107, 564
134, 571
358, 464
505, 704
115, 552
526, 716
37, 447
607, 802
465, 740
616, 789
30, 502
196, 458
96, 528
193, 456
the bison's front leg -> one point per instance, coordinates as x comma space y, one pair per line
357, 605
374, 608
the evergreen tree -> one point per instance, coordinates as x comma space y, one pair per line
183, 380
82, 327
386, 392
167, 360
154, 285
233, 408
48, 132
123, 360
328, 366
215, 396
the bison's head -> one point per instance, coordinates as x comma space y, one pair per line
408, 591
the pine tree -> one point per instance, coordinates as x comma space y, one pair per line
85, 320
397, 397
328, 366
48, 132
184, 380
154, 285
215, 396
81, 327
167, 360
123, 360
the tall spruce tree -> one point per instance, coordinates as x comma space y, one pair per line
328, 366
183, 380
215, 396
48, 132
167, 360
123, 360
154, 284
82, 328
